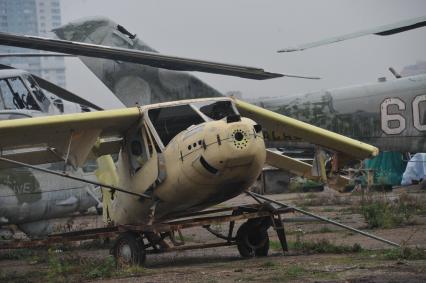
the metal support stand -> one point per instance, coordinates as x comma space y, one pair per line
254, 195
278, 225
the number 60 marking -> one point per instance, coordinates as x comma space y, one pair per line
386, 118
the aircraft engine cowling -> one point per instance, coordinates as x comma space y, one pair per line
210, 163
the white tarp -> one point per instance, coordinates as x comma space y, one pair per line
416, 169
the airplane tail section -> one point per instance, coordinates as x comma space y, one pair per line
133, 84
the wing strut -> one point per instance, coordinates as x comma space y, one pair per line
113, 188
257, 197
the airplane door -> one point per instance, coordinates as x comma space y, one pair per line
143, 159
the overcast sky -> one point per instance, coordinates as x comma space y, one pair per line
249, 32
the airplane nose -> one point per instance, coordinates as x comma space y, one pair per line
224, 149
217, 161
231, 146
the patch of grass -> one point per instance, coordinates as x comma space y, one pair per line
100, 269
57, 267
19, 276
312, 199
323, 246
328, 209
381, 212
294, 271
325, 229
287, 273
268, 264
275, 245
65, 267
18, 254
405, 253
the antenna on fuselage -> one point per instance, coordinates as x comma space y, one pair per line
395, 73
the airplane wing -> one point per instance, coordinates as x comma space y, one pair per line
281, 126
70, 137
278, 126
134, 56
384, 30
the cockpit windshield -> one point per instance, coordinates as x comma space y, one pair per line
14, 94
216, 110
36, 90
170, 121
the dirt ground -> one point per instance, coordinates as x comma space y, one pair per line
373, 262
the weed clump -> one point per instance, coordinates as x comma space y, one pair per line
57, 267
385, 213
405, 253
313, 199
17, 254
294, 271
100, 269
324, 246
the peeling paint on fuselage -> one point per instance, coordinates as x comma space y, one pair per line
357, 112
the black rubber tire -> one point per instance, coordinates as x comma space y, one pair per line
129, 250
252, 241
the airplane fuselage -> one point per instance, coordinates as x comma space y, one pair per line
390, 115
214, 159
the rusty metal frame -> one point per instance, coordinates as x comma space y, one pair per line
198, 219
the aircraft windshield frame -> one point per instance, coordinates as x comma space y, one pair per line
21, 92
160, 119
167, 122
216, 109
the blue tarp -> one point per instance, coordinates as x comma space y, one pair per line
388, 168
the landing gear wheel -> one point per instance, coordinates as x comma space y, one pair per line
129, 250
252, 240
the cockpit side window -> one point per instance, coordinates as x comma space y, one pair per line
422, 112
10, 99
36, 90
137, 150
140, 148
19, 88
170, 121
2, 103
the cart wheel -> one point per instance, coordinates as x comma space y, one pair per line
129, 250
252, 240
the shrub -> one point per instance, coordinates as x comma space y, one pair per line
384, 213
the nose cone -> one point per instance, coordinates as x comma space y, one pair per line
228, 152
